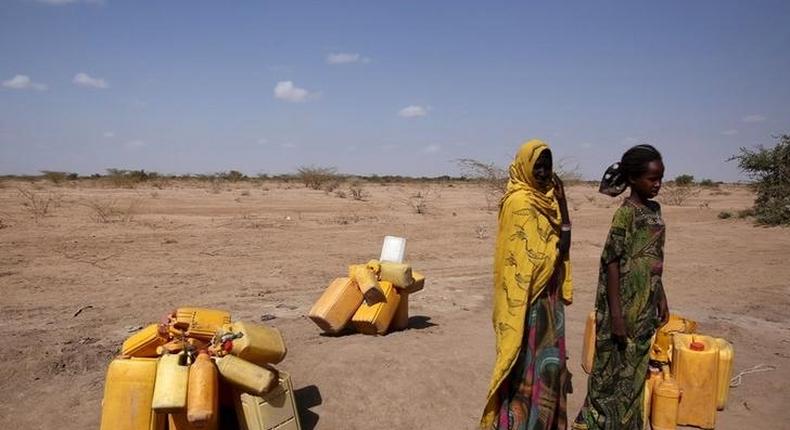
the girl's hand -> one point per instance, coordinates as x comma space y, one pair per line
663, 310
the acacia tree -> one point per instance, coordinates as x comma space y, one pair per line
770, 169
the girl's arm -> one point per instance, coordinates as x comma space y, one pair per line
663, 308
613, 297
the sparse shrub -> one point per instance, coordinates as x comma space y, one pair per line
421, 201
745, 213
492, 178
674, 195
569, 173
331, 186
684, 180
725, 215
232, 176
111, 211
315, 177
340, 194
770, 168
129, 178
58, 177
708, 183
38, 205
357, 192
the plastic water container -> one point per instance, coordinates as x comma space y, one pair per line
725, 372
393, 249
145, 342
201, 323
654, 376
246, 376
376, 318
203, 392
664, 407
170, 391
695, 366
275, 410
337, 305
258, 344
588, 347
128, 390
367, 282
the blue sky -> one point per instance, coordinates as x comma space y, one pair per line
400, 87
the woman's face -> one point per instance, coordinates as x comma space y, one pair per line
542, 169
649, 183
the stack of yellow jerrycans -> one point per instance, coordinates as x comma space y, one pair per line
175, 374
373, 299
689, 374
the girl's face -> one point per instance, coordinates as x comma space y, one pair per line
542, 169
649, 183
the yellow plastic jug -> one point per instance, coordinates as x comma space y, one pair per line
201, 323
417, 285
653, 377
401, 319
180, 422
376, 319
337, 305
275, 410
695, 366
246, 376
399, 274
128, 391
145, 342
661, 349
588, 347
367, 282
203, 392
170, 390
726, 355
664, 404
258, 344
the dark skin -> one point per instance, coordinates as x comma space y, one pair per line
545, 177
643, 188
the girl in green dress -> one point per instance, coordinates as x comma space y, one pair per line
630, 302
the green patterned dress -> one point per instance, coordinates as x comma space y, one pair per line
616, 383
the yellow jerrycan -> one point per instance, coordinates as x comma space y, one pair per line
376, 318
246, 376
588, 347
664, 404
128, 391
201, 323
275, 410
653, 377
334, 309
170, 390
145, 342
695, 366
203, 392
726, 354
256, 343
661, 349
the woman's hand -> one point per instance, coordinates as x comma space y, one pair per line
619, 335
564, 244
663, 309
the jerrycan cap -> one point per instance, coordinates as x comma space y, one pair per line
697, 346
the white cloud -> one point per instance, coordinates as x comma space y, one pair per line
732, 132
413, 111
84, 80
109, 134
431, 149
346, 58
753, 118
286, 90
134, 144
23, 82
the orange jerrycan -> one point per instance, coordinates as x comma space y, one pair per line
275, 410
376, 318
128, 391
246, 376
367, 281
170, 390
203, 392
588, 347
145, 342
257, 344
417, 285
337, 305
401, 319
725, 372
661, 350
664, 405
695, 365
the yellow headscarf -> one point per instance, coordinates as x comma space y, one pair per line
524, 261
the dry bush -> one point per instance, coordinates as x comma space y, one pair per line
492, 178
357, 192
421, 201
110, 211
331, 186
39, 205
673, 195
340, 194
122, 178
569, 172
58, 177
315, 177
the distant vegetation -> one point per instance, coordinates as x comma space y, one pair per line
770, 170
684, 180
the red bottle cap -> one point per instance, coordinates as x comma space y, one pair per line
227, 345
697, 346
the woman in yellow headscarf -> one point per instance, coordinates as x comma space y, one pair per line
532, 284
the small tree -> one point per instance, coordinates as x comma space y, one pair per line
684, 180
770, 169
315, 177
492, 178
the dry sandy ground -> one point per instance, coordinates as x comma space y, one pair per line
272, 248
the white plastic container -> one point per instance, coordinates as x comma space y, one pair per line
393, 249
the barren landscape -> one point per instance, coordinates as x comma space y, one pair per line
103, 261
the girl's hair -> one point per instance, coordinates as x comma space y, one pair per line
632, 165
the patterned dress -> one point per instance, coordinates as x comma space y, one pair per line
534, 394
616, 383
